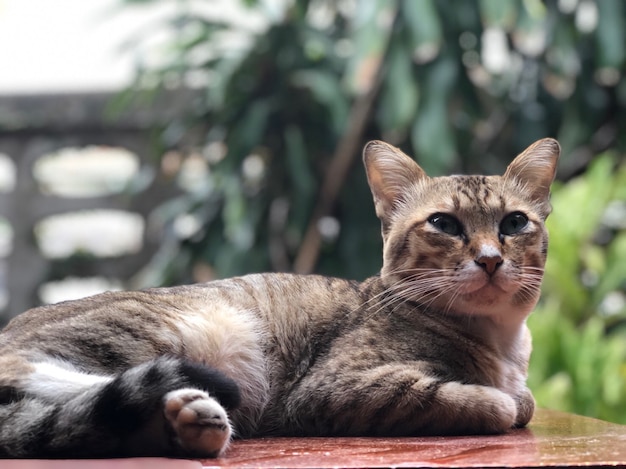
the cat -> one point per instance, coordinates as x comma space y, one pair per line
436, 344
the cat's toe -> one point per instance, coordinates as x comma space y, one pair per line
200, 423
525, 408
504, 415
478, 409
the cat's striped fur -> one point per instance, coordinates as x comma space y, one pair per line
436, 344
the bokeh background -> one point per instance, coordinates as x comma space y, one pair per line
158, 142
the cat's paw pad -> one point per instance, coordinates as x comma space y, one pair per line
200, 423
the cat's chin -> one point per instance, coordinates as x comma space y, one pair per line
491, 300
487, 296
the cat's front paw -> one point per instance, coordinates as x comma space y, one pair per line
478, 409
199, 422
525, 408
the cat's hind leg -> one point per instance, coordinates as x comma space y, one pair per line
191, 398
166, 407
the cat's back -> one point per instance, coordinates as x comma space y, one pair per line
264, 295
260, 313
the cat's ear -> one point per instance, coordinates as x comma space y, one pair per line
390, 173
535, 168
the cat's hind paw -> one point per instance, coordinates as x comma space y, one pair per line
200, 423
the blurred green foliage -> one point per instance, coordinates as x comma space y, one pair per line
463, 85
579, 329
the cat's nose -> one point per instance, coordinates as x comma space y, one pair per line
489, 264
489, 258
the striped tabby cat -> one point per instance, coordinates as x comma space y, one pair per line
434, 345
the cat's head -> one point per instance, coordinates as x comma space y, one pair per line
464, 244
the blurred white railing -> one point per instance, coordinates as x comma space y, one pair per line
76, 189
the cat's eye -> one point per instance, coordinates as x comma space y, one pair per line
513, 223
446, 224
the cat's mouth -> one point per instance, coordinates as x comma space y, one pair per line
481, 283
489, 290
482, 295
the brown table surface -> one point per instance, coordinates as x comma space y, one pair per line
553, 439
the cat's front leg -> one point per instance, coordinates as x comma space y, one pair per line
396, 400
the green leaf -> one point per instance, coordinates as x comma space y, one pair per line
614, 276
433, 140
249, 131
610, 34
424, 25
431, 135
238, 228
297, 161
400, 94
327, 90
369, 35
500, 13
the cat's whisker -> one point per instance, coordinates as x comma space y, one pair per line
455, 293
387, 299
529, 291
403, 291
429, 291
373, 301
420, 273
383, 306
